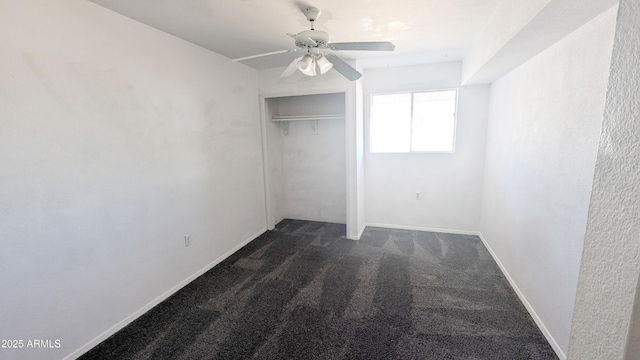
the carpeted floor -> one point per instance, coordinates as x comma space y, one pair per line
301, 291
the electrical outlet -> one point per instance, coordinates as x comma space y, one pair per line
418, 195
187, 240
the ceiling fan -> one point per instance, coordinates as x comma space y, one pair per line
313, 42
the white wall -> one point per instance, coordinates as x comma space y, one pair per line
274, 179
450, 184
611, 257
271, 84
542, 139
360, 183
520, 29
307, 169
508, 20
314, 172
116, 140
632, 346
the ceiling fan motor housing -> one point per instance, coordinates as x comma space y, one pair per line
320, 39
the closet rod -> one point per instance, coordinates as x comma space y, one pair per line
307, 117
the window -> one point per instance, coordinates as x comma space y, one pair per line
413, 122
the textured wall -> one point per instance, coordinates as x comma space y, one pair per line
116, 140
611, 258
544, 124
632, 347
450, 184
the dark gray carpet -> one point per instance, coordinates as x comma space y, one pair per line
301, 291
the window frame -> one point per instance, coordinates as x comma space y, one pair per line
412, 92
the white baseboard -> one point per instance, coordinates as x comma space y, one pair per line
526, 303
126, 321
361, 231
356, 238
419, 228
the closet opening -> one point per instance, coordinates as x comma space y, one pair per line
305, 158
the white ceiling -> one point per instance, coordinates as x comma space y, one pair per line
422, 30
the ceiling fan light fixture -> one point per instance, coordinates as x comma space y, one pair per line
324, 64
307, 65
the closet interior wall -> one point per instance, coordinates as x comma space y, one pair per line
306, 157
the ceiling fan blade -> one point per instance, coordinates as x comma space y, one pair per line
265, 54
363, 46
306, 41
343, 68
291, 68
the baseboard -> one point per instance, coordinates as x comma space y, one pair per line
420, 228
526, 303
356, 238
361, 231
115, 328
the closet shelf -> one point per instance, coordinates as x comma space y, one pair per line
307, 117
